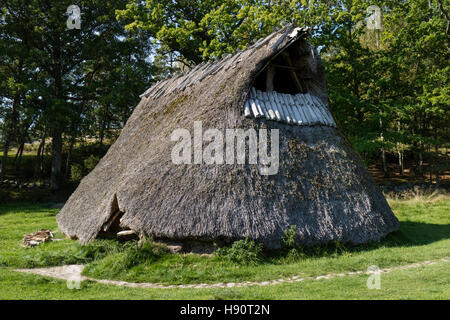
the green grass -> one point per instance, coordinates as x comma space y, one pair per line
432, 282
424, 234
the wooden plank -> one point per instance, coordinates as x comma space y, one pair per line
205, 71
317, 109
258, 106
254, 108
262, 100
320, 107
160, 90
247, 112
289, 110
287, 118
310, 107
285, 108
326, 112
152, 89
266, 40
277, 43
274, 106
269, 104
279, 103
298, 115
303, 109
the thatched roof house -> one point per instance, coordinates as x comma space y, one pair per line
321, 185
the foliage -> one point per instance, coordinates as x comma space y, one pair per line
388, 89
67, 84
290, 236
76, 172
242, 252
91, 162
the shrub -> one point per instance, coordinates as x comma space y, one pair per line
91, 162
145, 252
242, 252
294, 255
289, 237
76, 172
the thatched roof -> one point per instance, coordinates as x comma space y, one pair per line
322, 186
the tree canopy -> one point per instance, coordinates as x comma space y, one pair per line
388, 88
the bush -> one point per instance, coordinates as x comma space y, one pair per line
242, 252
289, 237
76, 172
147, 251
91, 162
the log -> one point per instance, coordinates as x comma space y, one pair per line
111, 220
125, 233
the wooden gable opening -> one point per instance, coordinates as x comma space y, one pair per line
284, 90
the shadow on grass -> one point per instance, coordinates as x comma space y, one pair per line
28, 208
417, 233
409, 234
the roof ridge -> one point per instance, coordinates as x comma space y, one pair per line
211, 67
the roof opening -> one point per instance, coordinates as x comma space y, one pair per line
288, 72
286, 91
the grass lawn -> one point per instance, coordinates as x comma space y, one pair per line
424, 235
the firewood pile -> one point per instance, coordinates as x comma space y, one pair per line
33, 239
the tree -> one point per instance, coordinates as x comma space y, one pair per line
66, 61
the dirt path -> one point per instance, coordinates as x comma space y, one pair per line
73, 273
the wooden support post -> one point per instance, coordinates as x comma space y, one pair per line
269, 78
292, 72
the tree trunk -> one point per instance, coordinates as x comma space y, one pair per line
103, 124
401, 164
40, 152
4, 159
383, 160
69, 155
420, 159
56, 178
383, 151
19, 160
